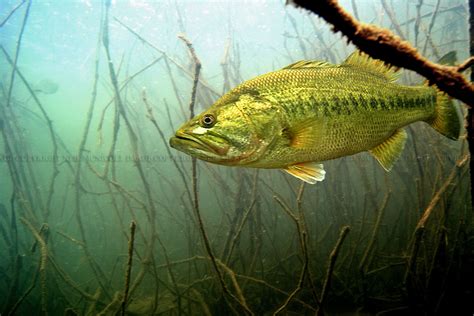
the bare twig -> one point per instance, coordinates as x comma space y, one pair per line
332, 262
457, 7
27, 292
468, 63
434, 201
12, 12
168, 58
277, 290
197, 71
133, 139
420, 227
129, 266
50, 128
151, 117
393, 19
302, 234
17, 53
44, 260
354, 8
430, 27
197, 212
363, 262
225, 66
239, 230
418, 21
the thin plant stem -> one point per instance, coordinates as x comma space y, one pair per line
380, 212
52, 133
128, 272
42, 268
197, 212
430, 27
12, 12
17, 53
302, 234
332, 262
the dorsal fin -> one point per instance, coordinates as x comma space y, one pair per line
361, 60
308, 64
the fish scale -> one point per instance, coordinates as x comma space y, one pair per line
326, 93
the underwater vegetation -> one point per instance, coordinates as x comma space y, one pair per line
100, 216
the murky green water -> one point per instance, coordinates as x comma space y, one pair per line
84, 156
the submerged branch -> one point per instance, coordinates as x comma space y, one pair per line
43, 261
420, 227
151, 117
11, 13
17, 54
332, 262
197, 71
168, 58
434, 201
129, 266
363, 265
207, 244
303, 238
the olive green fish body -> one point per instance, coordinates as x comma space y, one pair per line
347, 110
310, 112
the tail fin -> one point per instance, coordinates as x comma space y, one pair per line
446, 119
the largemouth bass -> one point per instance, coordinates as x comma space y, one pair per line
311, 111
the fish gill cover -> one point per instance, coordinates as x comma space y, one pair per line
99, 215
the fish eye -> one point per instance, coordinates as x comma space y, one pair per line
208, 121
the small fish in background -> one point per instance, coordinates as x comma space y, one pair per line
312, 111
45, 86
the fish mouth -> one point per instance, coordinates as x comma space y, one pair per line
194, 145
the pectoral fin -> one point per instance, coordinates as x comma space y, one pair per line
305, 134
310, 172
390, 150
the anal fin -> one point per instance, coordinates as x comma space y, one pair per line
390, 150
310, 172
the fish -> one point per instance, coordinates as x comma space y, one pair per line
46, 86
309, 112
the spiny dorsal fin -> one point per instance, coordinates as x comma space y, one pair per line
390, 150
310, 172
364, 61
308, 64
